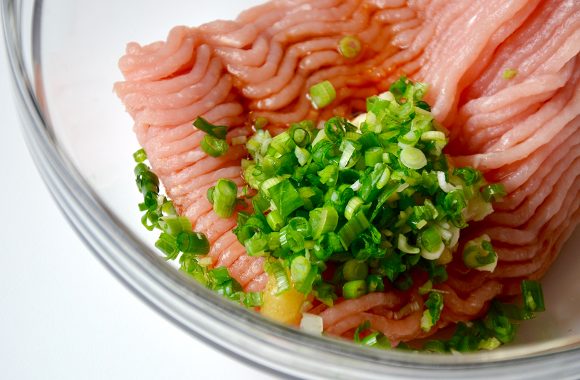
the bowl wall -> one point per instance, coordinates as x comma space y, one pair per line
83, 142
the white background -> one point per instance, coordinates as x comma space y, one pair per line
62, 314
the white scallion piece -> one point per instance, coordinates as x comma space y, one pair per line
387, 96
312, 323
357, 121
443, 184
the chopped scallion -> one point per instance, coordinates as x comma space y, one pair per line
210, 192
285, 197
357, 224
283, 143
276, 270
432, 313
322, 94
323, 220
257, 245
253, 299
354, 289
224, 196
479, 254
353, 205
433, 136
302, 155
220, 275
275, 220
373, 156
375, 283
192, 242
413, 158
260, 122
426, 287
493, 193
509, 73
140, 156
533, 296
299, 269
443, 184
217, 131
404, 246
349, 46
213, 146
173, 224
168, 245
431, 243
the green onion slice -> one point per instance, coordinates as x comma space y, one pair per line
275, 220
217, 131
291, 239
469, 175
479, 254
375, 283
354, 289
431, 243
322, 94
299, 269
252, 299
353, 205
224, 196
349, 47
173, 224
168, 245
140, 156
443, 184
312, 324
357, 224
489, 344
404, 246
213, 146
493, 193
257, 245
286, 198
432, 313
302, 155
260, 122
349, 154
533, 296
323, 220
426, 288
373, 156
509, 73
276, 270
413, 158
433, 136
192, 242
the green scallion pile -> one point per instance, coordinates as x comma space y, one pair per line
367, 202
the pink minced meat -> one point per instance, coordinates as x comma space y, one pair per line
524, 131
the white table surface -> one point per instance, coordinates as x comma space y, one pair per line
62, 314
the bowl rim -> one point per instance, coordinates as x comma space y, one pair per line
232, 329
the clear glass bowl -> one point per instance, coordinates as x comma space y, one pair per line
63, 56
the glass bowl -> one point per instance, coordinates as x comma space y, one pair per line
64, 56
